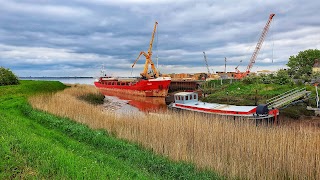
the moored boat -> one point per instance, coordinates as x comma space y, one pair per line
157, 87
189, 101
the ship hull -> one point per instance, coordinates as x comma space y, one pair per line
149, 88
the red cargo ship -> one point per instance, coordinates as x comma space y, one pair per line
157, 87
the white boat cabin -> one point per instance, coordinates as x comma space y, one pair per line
185, 97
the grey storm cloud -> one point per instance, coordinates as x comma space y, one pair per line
63, 38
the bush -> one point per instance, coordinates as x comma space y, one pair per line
95, 99
250, 79
265, 79
282, 78
7, 77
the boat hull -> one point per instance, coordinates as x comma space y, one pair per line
248, 112
148, 88
189, 101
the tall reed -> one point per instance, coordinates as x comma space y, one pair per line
235, 149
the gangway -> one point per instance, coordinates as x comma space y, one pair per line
287, 97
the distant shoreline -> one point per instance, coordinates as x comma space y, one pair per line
61, 77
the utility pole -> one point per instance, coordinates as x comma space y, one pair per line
317, 98
225, 65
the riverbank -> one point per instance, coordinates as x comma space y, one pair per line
35, 144
235, 149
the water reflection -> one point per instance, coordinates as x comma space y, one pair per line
145, 104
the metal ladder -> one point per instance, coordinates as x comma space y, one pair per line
287, 97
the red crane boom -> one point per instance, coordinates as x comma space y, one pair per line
239, 75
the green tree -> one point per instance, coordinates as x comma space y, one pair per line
282, 77
265, 79
301, 64
7, 77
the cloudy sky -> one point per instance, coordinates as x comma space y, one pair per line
75, 37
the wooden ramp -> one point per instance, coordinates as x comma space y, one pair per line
287, 97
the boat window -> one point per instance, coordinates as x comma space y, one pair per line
187, 98
195, 96
190, 97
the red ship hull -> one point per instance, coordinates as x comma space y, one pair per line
150, 88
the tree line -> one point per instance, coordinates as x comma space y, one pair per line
300, 66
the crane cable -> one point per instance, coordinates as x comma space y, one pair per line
157, 39
272, 39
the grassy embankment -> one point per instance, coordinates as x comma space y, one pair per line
234, 149
35, 144
239, 93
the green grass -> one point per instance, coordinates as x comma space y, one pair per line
239, 93
38, 145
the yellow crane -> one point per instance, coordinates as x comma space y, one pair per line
148, 56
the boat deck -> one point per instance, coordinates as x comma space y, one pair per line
225, 107
189, 101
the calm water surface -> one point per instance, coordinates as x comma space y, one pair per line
144, 104
67, 80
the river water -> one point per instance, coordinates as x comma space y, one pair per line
66, 80
144, 104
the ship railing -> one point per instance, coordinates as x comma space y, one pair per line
286, 97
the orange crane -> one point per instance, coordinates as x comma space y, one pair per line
237, 70
148, 56
240, 75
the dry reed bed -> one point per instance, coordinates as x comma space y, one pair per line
234, 149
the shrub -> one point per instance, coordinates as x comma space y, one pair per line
250, 79
93, 98
265, 79
7, 77
282, 77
